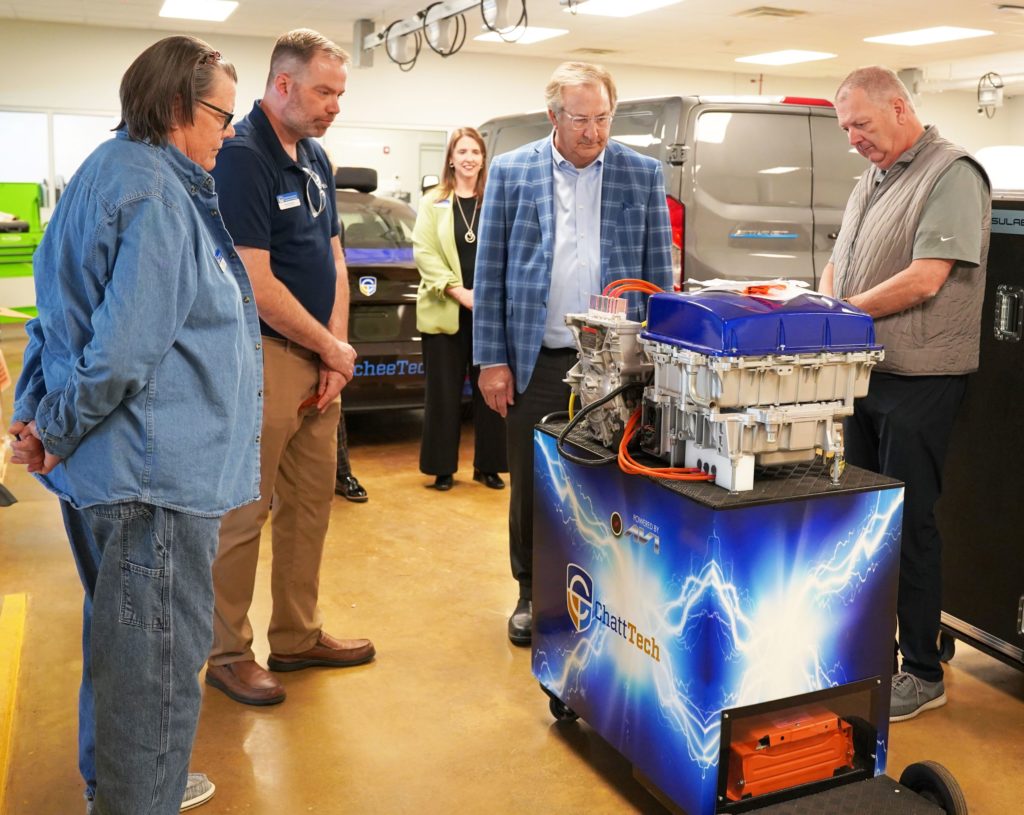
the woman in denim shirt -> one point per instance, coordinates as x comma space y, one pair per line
139, 406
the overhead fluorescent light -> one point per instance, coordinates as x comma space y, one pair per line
927, 36
213, 11
779, 170
618, 8
531, 35
790, 57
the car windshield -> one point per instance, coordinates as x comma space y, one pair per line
375, 228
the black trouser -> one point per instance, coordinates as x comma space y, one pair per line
344, 468
546, 393
448, 358
902, 429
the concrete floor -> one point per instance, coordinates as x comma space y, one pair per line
448, 718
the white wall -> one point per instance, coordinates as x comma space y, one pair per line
1013, 114
955, 113
77, 69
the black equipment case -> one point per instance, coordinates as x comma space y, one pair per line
981, 512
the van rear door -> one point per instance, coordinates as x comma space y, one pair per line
750, 188
837, 168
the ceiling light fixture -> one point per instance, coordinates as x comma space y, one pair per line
615, 8
212, 11
529, 36
929, 36
788, 57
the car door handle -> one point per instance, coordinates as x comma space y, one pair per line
833, 235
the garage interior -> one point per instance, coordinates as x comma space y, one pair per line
448, 718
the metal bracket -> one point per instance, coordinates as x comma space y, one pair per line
677, 154
1009, 316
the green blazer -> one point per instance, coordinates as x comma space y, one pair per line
433, 243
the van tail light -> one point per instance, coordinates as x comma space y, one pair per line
677, 218
807, 100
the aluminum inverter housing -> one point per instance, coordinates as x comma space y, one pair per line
741, 379
610, 356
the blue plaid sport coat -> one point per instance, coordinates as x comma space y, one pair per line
516, 244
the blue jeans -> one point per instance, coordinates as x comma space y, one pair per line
87, 559
151, 620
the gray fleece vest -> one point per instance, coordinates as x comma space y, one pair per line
876, 240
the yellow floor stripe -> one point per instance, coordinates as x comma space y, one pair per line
12, 634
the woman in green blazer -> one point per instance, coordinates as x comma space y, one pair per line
444, 245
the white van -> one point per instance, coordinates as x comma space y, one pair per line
756, 186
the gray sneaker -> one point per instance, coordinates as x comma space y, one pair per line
198, 791
912, 695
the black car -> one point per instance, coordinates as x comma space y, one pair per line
376, 234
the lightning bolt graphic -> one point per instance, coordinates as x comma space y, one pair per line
772, 647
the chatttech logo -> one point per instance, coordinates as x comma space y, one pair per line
579, 596
400, 367
368, 285
583, 609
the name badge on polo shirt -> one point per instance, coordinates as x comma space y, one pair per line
442, 202
288, 200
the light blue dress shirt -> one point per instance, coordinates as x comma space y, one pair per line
576, 263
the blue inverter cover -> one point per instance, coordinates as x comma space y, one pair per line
725, 323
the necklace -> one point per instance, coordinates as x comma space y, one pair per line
470, 235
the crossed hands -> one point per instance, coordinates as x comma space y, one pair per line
28, 448
336, 370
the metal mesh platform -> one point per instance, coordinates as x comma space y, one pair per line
877, 796
771, 484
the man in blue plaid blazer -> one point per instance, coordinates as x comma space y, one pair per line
562, 218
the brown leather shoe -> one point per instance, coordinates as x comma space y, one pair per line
246, 682
328, 652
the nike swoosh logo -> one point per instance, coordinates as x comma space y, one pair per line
943, 239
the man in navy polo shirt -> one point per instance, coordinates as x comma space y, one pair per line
276, 193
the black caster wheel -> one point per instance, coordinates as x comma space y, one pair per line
561, 711
935, 784
947, 646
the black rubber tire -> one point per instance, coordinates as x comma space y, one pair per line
561, 711
947, 646
935, 784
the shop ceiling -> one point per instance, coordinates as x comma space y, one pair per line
693, 34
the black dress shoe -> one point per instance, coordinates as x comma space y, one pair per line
520, 624
347, 487
492, 480
443, 483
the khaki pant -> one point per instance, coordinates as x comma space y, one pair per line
297, 462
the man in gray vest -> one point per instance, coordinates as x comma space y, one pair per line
911, 253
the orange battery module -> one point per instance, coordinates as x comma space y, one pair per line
810, 746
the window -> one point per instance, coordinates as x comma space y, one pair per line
23, 147
754, 158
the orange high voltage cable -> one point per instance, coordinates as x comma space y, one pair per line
619, 287
629, 465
